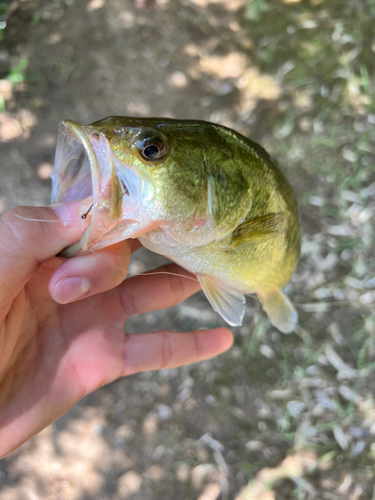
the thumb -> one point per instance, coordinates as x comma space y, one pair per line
26, 244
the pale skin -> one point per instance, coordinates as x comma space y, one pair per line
56, 347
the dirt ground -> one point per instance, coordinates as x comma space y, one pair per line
278, 416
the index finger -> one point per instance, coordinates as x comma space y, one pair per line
30, 236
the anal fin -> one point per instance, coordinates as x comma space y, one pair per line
279, 309
224, 298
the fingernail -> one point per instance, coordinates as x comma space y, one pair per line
69, 289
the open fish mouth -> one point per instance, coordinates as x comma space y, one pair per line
86, 169
83, 165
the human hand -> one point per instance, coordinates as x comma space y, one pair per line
53, 351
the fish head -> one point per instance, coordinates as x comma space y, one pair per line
108, 163
145, 175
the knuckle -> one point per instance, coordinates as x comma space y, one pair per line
19, 228
177, 284
197, 346
128, 302
166, 350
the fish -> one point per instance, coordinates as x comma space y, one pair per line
199, 193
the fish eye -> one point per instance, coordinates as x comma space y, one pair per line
151, 148
151, 152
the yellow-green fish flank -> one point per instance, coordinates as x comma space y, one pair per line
199, 193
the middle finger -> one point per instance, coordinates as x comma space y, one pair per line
163, 287
86, 275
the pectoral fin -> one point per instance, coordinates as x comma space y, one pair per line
257, 230
279, 309
226, 300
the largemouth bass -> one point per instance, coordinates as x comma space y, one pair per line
198, 193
